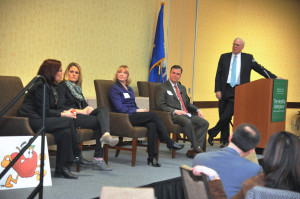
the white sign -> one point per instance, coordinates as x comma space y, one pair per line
26, 171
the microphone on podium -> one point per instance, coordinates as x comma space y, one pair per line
253, 60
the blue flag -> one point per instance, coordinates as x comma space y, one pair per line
157, 70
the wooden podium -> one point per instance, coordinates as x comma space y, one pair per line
253, 104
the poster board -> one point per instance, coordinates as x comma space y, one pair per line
26, 171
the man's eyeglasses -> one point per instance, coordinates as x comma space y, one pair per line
238, 45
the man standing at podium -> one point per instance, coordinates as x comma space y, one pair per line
233, 69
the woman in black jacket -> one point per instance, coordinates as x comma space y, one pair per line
59, 123
70, 97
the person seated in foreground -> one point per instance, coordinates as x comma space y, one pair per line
70, 97
281, 168
230, 163
123, 101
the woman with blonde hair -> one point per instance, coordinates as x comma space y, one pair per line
123, 101
70, 97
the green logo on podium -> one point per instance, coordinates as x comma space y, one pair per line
279, 100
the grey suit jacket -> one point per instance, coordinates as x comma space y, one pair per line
166, 98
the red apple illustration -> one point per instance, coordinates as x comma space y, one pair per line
26, 164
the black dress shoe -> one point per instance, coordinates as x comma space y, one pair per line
191, 153
176, 146
224, 144
80, 160
64, 172
210, 139
153, 162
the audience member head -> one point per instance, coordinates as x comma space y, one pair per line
245, 137
175, 73
73, 73
52, 71
282, 162
238, 45
122, 75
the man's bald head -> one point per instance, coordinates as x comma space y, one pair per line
246, 137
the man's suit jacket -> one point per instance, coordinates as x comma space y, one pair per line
247, 64
166, 98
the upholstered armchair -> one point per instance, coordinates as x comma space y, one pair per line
119, 123
143, 88
194, 186
10, 125
259, 192
173, 129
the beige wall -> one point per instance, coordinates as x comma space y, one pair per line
271, 29
182, 39
100, 35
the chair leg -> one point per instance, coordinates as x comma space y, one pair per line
78, 165
204, 144
78, 168
158, 143
118, 150
174, 137
184, 138
106, 153
117, 153
134, 147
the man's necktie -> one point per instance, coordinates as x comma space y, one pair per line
180, 98
233, 73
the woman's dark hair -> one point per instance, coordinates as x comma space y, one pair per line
48, 69
282, 162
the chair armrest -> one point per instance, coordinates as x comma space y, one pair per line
168, 122
15, 126
121, 126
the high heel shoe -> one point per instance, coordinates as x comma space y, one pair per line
153, 163
100, 165
107, 139
64, 172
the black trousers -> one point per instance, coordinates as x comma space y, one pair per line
61, 128
98, 120
155, 128
226, 110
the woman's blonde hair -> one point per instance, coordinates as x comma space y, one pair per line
120, 68
79, 81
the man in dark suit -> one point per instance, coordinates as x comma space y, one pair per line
233, 69
171, 96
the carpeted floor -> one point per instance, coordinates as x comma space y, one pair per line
90, 181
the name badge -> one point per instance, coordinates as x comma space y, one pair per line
169, 92
126, 95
